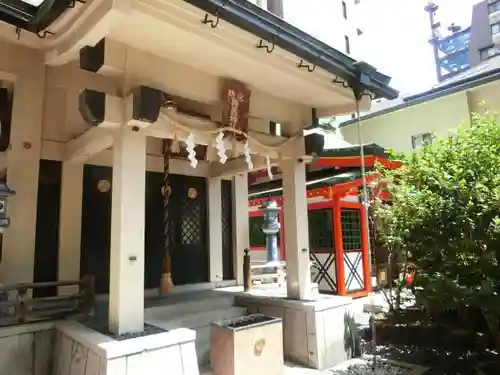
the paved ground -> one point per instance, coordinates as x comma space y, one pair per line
446, 362
362, 319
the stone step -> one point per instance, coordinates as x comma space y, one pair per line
178, 309
201, 323
198, 319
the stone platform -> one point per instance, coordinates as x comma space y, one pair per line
318, 333
81, 350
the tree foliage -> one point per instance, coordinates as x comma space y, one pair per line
445, 212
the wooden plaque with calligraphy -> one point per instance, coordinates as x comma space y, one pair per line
236, 105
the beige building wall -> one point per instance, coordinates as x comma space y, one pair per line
440, 116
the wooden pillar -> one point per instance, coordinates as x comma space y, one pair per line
126, 291
297, 225
339, 247
241, 230
366, 254
215, 229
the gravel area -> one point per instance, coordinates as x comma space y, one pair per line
101, 326
442, 350
367, 369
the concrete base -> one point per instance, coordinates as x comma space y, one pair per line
27, 349
254, 349
196, 314
81, 350
318, 333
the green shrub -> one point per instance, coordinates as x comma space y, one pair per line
445, 213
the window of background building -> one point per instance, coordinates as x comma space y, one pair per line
344, 9
489, 52
421, 140
495, 28
347, 44
494, 7
275, 7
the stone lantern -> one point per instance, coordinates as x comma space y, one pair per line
271, 227
5, 193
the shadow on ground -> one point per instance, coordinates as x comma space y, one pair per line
443, 351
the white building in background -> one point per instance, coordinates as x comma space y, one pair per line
334, 22
338, 23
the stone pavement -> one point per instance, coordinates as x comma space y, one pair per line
362, 319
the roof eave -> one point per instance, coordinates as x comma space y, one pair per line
265, 25
432, 94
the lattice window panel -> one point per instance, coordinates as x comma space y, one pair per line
353, 271
320, 229
324, 273
191, 223
351, 229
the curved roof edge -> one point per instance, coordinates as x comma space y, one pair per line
434, 93
265, 25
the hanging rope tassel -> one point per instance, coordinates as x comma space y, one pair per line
166, 284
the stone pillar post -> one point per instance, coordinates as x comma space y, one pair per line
215, 229
126, 290
241, 230
296, 225
70, 225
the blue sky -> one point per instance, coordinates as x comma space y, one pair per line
396, 40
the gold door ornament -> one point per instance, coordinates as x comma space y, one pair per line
103, 186
192, 193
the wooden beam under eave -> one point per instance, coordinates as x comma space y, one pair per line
237, 166
88, 144
166, 130
364, 105
71, 76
